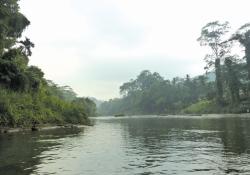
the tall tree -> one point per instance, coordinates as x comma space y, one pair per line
13, 51
212, 36
12, 24
243, 36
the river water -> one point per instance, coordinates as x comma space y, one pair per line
139, 145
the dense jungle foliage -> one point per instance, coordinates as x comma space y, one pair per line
26, 97
150, 93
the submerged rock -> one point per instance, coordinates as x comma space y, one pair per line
34, 128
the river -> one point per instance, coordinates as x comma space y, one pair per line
138, 145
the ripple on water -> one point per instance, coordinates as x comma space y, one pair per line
134, 145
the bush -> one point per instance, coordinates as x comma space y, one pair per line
23, 109
203, 106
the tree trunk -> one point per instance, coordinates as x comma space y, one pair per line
247, 54
219, 87
232, 81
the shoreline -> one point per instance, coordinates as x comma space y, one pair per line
6, 130
183, 114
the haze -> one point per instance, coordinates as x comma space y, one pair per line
94, 46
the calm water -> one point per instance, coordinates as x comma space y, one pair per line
133, 146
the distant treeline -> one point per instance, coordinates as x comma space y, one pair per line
150, 93
26, 97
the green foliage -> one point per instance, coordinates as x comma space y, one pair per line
201, 107
12, 24
22, 109
87, 105
242, 35
150, 93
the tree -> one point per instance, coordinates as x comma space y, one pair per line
13, 53
212, 36
243, 36
26, 46
150, 93
232, 80
12, 24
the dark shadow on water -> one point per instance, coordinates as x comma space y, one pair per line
19, 152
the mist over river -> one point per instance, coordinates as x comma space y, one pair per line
138, 145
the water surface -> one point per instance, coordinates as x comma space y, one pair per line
140, 145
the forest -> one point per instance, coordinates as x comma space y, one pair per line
26, 97
227, 60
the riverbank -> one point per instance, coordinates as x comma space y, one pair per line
211, 107
5, 130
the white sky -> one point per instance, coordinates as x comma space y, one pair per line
96, 45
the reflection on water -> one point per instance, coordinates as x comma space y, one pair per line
190, 145
20, 153
134, 145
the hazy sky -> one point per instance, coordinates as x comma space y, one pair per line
96, 45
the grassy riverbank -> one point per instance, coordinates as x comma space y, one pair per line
210, 107
20, 109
